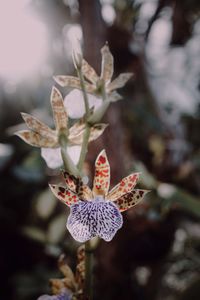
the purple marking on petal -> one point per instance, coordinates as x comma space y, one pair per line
95, 218
62, 296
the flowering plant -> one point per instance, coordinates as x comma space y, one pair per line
94, 213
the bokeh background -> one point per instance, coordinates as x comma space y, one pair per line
154, 129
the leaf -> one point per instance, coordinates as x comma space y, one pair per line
36, 140
147, 179
35, 234
102, 174
59, 112
45, 204
107, 64
119, 82
173, 194
56, 229
37, 126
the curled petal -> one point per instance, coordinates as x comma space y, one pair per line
99, 113
107, 64
53, 156
102, 175
114, 96
74, 103
37, 126
128, 200
126, 185
64, 195
96, 218
89, 72
59, 112
119, 82
97, 130
36, 140
74, 153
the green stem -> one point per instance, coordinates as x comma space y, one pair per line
85, 97
84, 147
89, 247
88, 288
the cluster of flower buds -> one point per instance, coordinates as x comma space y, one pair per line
71, 286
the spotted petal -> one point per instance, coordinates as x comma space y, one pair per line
96, 218
76, 132
73, 82
70, 180
102, 175
68, 81
126, 185
38, 126
130, 199
36, 140
89, 72
76, 185
120, 81
64, 195
107, 64
59, 112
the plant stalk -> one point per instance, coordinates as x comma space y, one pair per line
85, 97
88, 288
84, 147
89, 257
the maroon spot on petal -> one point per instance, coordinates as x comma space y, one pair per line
61, 189
141, 193
102, 159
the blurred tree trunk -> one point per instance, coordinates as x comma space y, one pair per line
94, 34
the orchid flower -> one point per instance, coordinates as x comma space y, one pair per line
97, 212
94, 83
40, 135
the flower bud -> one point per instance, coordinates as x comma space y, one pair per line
77, 55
